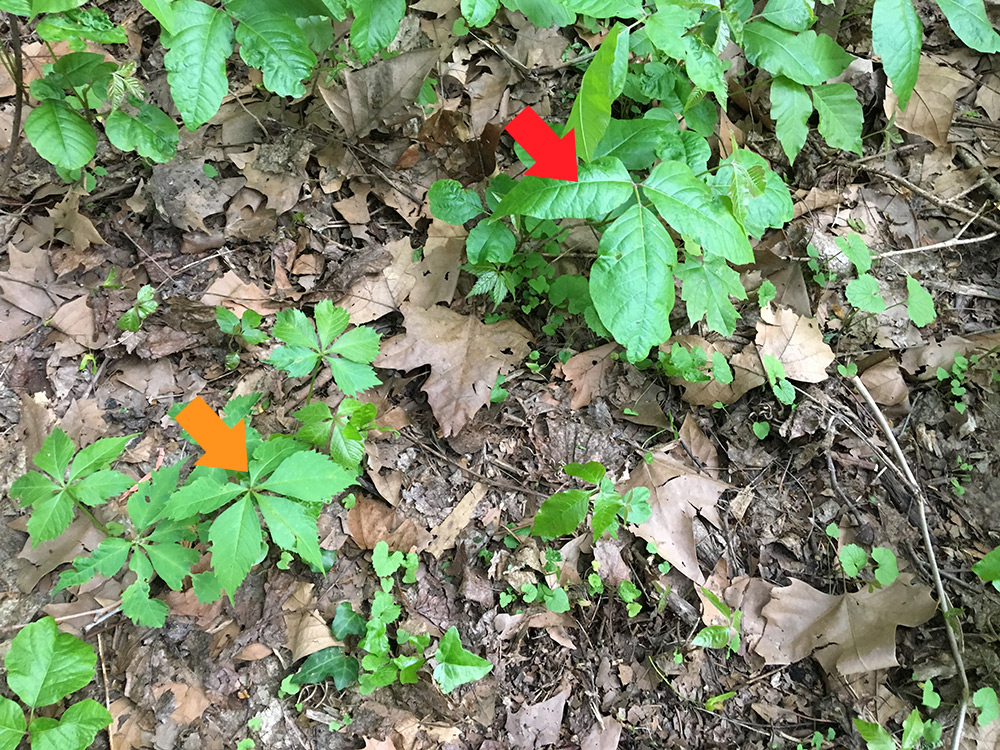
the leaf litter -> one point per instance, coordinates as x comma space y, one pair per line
467, 474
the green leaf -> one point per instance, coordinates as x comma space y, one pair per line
352, 377
297, 361
19, 7
919, 303
12, 724
714, 636
985, 699
634, 142
455, 665
888, 569
50, 517
75, 729
236, 541
331, 322
632, 282
294, 328
60, 135
805, 57
768, 202
930, 697
162, 11
543, 13
98, 456
605, 8
721, 370
54, 6
328, 662
199, 43
292, 527
605, 516
840, 115
347, 622
151, 133
309, 476
358, 345
603, 185
913, 731
693, 209
853, 559
140, 608
55, 454
376, 23
561, 513
592, 472
98, 487
968, 20
270, 454
33, 488
452, 203
384, 562
707, 286
490, 241
202, 496
864, 294
668, 28
897, 36
479, 12
791, 108
856, 251
874, 735
227, 320
602, 83
206, 587
273, 43
988, 569
44, 665
80, 24
172, 562
130, 320
793, 15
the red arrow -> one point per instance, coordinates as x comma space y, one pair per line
225, 447
554, 157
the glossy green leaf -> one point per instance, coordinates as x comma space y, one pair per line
840, 115
770, 207
897, 36
708, 284
12, 724
632, 282
328, 663
791, 108
693, 209
543, 13
602, 83
295, 329
347, 622
76, 729
490, 241
297, 361
33, 488
44, 665
603, 185
561, 514
236, 540
452, 203
479, 12
80, 24
634, 142
60, 135
714, 636
273, 43
605, 8
376, 23
792, 15
162, 11
151, 133
455, 665
805, 57
968, 20
198, 45
591, 472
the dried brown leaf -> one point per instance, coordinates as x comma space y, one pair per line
587, 373
797, 342
932, 105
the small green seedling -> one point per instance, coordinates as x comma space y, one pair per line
144, 306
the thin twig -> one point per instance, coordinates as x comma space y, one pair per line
107, 693
944, 604
18, 75
954, 242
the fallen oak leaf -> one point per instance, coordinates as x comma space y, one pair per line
465, 356
849, 633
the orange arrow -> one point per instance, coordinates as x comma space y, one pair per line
225, 447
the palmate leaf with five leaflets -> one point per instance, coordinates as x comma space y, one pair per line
307, 346
632, 282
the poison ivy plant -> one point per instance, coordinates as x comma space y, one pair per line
43, 668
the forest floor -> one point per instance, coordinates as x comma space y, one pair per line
324, 198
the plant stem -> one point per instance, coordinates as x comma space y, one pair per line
93, 519
944, 604
312, 382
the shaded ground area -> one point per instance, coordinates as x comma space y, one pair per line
324, 198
